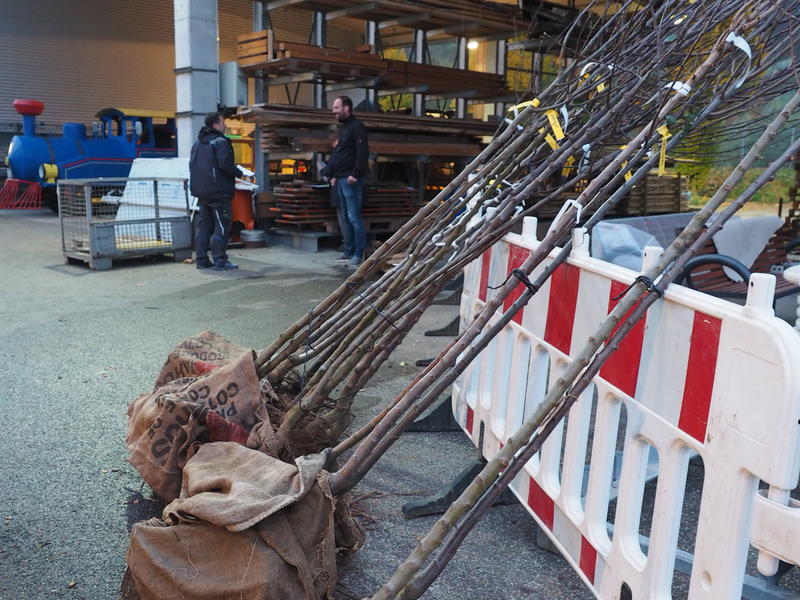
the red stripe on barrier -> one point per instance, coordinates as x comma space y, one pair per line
470, 419
622, 368
516, 257
486, 262
700, 376
588, 559
541, 504
561, 307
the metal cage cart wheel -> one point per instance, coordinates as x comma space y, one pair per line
107, 219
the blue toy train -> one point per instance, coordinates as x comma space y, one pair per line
118, 137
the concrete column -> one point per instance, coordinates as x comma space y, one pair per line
196, 65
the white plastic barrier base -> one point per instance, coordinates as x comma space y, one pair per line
698, 375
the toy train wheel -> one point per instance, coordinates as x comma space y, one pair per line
50, 199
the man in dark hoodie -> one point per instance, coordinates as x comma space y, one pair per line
349, 173
212, 173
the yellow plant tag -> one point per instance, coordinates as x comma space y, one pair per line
549, 139
601, 87
552, 116
534, 103
662, 159
567, 166
624, 164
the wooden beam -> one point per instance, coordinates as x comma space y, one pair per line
415, 89
296, 78
351, 11
281, 3
454, 29
355, 83
404, 21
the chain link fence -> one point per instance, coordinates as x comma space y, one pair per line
107, 219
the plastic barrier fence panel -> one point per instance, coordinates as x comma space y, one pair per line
700, 379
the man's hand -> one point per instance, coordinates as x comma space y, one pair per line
333, 181
351, 180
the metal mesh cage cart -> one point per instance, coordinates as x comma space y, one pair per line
107, 219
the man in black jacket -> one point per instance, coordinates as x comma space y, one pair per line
212, 173
349, 165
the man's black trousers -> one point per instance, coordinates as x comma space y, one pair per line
213, 229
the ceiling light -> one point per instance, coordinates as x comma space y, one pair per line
472, 45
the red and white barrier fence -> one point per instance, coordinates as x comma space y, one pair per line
698, 376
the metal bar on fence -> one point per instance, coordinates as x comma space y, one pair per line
87, 198
155, 206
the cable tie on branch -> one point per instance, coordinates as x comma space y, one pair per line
651, 287
519, 274
372, 306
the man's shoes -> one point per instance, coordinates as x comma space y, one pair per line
224, 265
355, 261
203, 263
344, 258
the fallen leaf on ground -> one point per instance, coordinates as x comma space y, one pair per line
9, 518
72, 584
103, 471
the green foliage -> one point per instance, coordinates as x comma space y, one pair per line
700, 152
769, 194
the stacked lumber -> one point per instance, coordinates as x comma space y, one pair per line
305, 116
253, 47
258, 52
296, 132
443, 80
475, 18
301, 203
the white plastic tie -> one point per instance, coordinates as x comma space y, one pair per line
563, 210
680, 87
565, 114
586, 67
742, 44
516, 114
584, 164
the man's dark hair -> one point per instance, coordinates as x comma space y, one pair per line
213, 118
345, 100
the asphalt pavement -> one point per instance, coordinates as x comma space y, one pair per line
79, 345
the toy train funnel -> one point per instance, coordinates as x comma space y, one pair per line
29, 109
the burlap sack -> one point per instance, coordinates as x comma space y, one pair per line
203, 550
164, 425
197, 356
